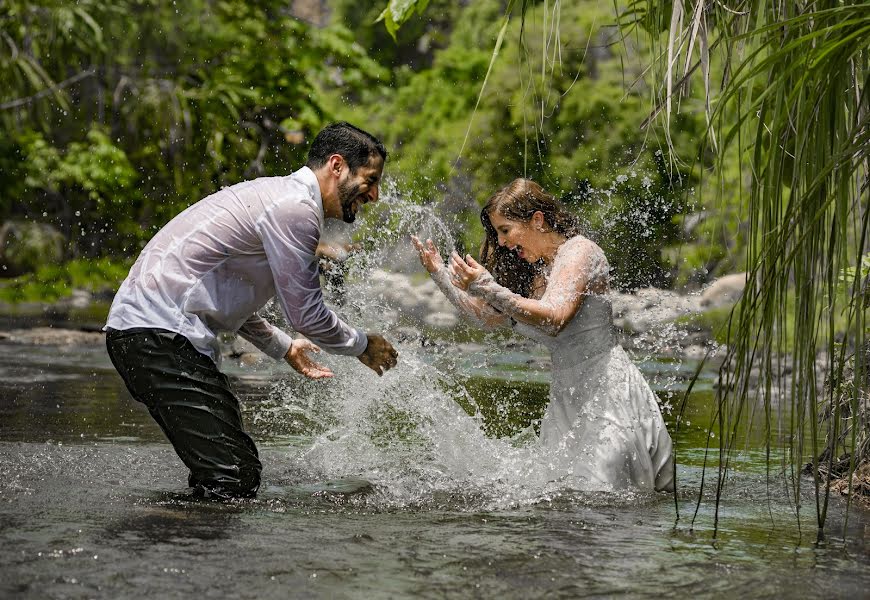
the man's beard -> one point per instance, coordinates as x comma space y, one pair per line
347, 194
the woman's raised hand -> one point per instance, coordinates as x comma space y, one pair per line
464, 271
429, 255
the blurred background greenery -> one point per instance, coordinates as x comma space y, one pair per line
116, 116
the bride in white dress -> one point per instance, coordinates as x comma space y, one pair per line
537, 274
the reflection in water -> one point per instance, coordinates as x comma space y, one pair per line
176, 521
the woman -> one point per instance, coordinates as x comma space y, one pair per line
538, 275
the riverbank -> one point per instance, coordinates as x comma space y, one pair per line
649, 321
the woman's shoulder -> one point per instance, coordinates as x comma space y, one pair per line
579, 252
581, 246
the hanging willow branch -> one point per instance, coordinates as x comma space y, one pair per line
793, 103
53, 89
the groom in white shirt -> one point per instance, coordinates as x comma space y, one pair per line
210, 269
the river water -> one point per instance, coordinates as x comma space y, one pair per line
380, 488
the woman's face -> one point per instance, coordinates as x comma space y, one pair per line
516, 235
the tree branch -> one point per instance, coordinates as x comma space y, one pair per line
50, 90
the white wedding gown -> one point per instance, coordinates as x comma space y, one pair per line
602, 430
603, 425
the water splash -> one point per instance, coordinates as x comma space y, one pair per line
405, 432
407, 435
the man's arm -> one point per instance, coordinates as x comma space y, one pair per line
267, 338
290, 232
275, 343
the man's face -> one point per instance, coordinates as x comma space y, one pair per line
359, 187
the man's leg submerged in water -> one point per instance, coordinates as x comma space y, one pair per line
191, 401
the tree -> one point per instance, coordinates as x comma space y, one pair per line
116, 116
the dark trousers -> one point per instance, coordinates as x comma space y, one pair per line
192, 403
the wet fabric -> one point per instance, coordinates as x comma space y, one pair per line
212, 267
603, 427
191, 401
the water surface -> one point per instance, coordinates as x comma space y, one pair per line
375, 488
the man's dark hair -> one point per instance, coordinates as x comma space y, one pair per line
352, 143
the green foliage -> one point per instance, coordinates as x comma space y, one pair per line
412, 45
50, 283
183, 100
135, 109
399, 11
574, 126
88, 188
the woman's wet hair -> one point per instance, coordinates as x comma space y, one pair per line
518, 201
356, 146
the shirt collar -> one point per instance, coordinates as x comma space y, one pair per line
309, 179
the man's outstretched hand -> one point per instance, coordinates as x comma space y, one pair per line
298, 358
379, 355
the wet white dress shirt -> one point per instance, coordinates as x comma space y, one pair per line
212, 267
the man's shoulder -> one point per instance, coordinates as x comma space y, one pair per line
285, 190
287, 183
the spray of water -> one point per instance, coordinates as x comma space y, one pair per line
405, 432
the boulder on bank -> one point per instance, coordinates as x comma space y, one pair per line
724, 291
637, 312
420, 301
650, 307
25, 245
647, 316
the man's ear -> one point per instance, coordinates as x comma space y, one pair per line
336, 164
538, 220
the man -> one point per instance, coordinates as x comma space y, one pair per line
210, 269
